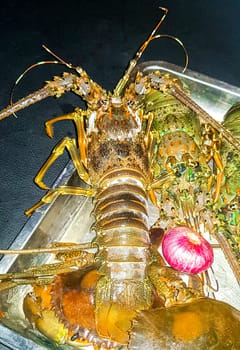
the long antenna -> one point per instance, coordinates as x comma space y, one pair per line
123, 81
121, 84
59, 60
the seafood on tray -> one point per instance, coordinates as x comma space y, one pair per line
135, 286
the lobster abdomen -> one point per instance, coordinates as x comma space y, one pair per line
122, 236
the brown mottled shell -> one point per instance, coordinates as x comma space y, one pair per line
106, 155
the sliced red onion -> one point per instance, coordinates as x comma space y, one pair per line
186, 250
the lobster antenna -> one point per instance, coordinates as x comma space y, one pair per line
22, 75
64, 249
58, 61
180, 43
151, 36
123, 81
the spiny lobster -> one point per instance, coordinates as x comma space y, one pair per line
146, 140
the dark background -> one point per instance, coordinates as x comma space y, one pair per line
100, 36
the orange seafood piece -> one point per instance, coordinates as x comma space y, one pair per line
78, 309
114, 321
57, 310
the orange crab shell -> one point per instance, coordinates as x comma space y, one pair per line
57, 310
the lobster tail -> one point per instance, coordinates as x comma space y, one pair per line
122, 236
122, 219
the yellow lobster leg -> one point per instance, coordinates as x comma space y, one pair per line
78, 157
164, 180
63, 190
70, 145
218, 160
219, 177
69, 256
78, 118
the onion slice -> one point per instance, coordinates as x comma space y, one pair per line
186, 250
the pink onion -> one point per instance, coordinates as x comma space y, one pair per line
186, 250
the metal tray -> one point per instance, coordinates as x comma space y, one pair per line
68, 219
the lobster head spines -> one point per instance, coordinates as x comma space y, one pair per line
90, 92
116, 118
145, 83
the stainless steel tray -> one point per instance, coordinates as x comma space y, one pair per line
68, 219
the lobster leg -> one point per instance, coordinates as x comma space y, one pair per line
78, 118
70, 145
218, 161
63, 190
164, 180
68, 261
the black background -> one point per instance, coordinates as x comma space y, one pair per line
101, 36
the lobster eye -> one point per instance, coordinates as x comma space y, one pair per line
230, 156
130, 103
85, 87
193, 164
140, 88
103, 103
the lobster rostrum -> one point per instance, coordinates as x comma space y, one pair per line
146, 140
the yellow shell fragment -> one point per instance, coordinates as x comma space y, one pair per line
200, 325
187, 326
49, 325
